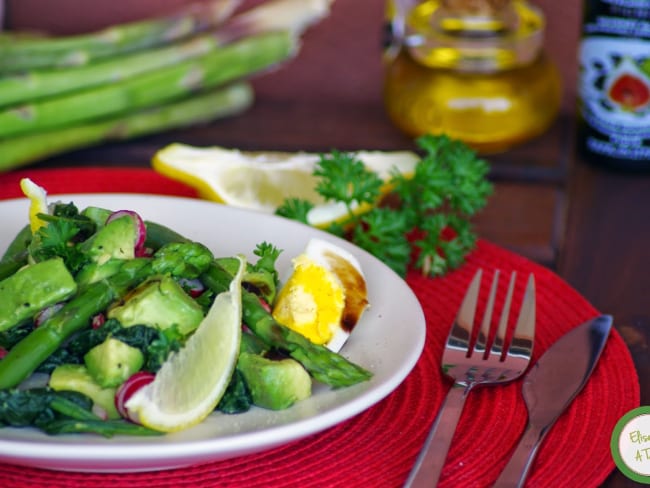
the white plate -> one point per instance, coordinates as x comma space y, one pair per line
387, 341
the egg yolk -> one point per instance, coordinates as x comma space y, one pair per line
311, 302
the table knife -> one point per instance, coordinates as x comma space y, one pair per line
549, 388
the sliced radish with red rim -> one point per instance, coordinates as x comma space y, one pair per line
98, 320
194, 287
46, 313
141, 229
128, 388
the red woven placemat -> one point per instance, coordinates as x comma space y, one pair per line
378, 447
94, 180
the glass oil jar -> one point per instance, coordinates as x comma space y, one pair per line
472, 69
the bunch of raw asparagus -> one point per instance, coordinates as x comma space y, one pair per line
63, 93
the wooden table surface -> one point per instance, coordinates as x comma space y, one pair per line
587, 224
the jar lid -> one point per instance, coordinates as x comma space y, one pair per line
474, 35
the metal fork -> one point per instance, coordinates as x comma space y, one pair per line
476, 365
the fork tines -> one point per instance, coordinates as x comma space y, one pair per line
486, 345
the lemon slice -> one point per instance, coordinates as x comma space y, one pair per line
37, 202
191, 382
264, 180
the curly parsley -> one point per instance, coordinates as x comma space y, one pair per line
65, 228
430, 228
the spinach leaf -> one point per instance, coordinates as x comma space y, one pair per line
59, 412
154, 344
37, 407
10, 337
237, 398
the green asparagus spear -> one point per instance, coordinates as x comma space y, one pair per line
59, 413
34, 85
15, 256
238, 60
278, 15
20, 54
13, 263
106, 428
202, 107
19, 243
323, 364
23, 358
158, 235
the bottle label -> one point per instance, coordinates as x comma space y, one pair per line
614, 85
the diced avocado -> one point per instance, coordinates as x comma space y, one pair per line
93, 272
75, 377
33, 288
112, 362
97, 214
274, 384
159, 303
115, 240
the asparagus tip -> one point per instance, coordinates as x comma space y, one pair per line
294, 16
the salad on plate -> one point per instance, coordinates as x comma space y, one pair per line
110, 324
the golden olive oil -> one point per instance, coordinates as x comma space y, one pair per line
478, 76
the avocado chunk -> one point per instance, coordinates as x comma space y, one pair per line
33, 288
97, 214
115, 240
160, 303
274, 384
112, 362
75, 377
93, 272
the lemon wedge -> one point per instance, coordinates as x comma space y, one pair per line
191, 382
264, 180
324, 296
37, 202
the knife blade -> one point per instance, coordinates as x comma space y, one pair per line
549, 388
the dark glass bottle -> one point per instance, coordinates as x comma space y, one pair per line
614, 84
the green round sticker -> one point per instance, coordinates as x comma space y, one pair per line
630, 444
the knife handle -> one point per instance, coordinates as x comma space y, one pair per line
427, 468
516, 471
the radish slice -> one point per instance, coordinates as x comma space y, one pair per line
98, 320
128, 388
46, 313
100, 411
35, 380
265, 304
193, 287
141, 229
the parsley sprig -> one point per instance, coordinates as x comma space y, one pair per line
430, 228
65, 227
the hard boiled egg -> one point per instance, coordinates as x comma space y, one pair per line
324, 296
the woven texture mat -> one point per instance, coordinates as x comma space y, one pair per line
377, 447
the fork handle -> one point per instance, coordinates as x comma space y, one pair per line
516, 471
427, 468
